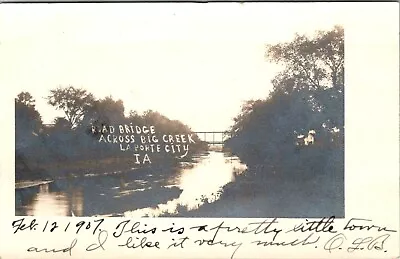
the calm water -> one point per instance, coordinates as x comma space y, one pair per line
133, 193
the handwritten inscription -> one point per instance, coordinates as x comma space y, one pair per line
101, 240
21, 225
309, 240
323, 225
339, 241
142, 243
364, 224
134, 229
54, 250
357, 235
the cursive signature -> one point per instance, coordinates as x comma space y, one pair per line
340, 242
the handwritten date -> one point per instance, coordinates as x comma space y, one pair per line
23, 224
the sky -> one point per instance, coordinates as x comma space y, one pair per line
193, 62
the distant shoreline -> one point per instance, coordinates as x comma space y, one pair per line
91, 167
28, 184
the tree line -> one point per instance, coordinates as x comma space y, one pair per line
71, 139
299, 128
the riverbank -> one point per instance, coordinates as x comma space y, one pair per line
105, 200
26, 171
103, 190
29, 184
199, 183
62, 169
258, 193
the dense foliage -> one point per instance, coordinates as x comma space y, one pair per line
307, 98
71, 140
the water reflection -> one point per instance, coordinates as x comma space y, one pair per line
49, 201
201, 183
152, 192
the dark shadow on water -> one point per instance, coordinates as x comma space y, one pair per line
96, 195
216, 185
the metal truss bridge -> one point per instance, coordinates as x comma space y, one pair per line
214, 137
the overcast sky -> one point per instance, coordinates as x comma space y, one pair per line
192, 62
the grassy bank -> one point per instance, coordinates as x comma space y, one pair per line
61, 169
263, 190
28, 170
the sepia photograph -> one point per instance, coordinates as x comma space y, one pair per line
199, 130
118, 114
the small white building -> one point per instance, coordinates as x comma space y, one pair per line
309, 140
303, 140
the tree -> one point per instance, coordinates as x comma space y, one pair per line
308, 95
61, 124
28, 125
315, 67
163, 124
27, 118
330, 46
75, 102
135, 118
109, 110
314, 63
242, 119
104, 112
26, 99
